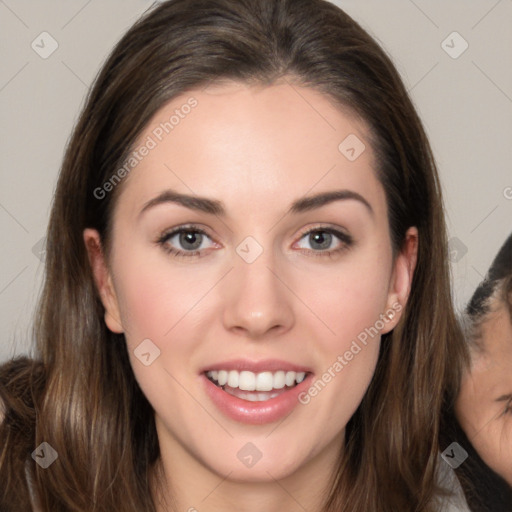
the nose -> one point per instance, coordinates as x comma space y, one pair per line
257, 300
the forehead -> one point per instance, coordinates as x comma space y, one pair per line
491, 368
496, 333
242, 141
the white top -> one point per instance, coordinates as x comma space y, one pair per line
448, 479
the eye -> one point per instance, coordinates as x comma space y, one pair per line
190, 238
187, 241
321, 239
508, 405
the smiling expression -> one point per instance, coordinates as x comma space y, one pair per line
261, 279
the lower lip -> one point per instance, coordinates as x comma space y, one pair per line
255, 413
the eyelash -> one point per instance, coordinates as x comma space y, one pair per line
162, 241
507, 410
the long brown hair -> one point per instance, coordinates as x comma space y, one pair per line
80, 394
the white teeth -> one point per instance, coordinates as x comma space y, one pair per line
290, 378
233, 379
279, 381
252, 397
250, 381
247, 381
264, 381
222, 378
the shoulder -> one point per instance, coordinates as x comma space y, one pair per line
18, 376
454, 501
22, 382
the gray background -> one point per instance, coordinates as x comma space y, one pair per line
465, 104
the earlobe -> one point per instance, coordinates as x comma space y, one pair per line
103, 279
401, 280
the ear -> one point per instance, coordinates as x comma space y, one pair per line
401, 279
103, 279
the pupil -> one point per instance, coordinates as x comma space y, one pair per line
320, 237
190, 238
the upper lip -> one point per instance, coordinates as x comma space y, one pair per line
269, 365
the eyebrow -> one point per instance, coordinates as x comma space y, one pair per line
216, 207
504, 398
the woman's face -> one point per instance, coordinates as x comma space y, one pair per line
484, 405
251, 297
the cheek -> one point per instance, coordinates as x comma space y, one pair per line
349, 298
160, 302
470, 406
350, 302
155, 295
494, 445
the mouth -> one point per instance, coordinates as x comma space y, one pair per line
256, 387
255, 392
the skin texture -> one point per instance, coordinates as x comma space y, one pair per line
485, 420
257, 149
